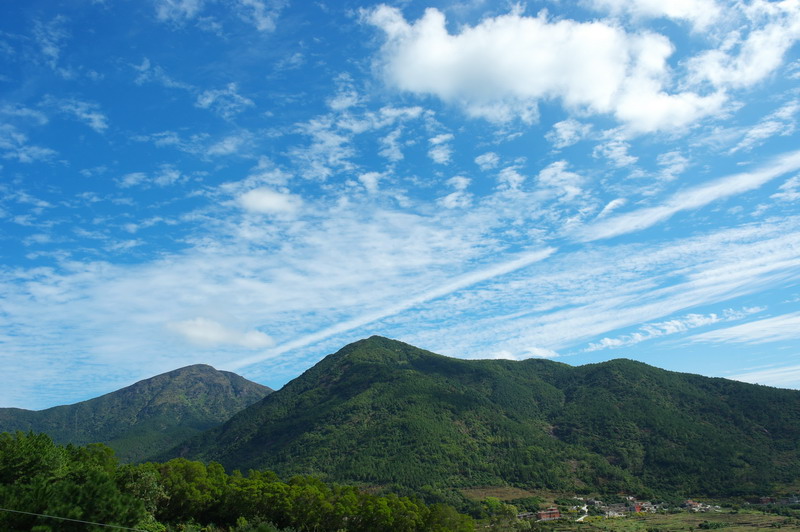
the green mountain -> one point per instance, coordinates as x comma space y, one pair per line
381, 412
145, 418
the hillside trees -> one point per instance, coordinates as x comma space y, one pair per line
87, 484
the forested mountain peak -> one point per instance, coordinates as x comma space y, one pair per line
146, 417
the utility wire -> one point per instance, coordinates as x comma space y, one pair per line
73, 520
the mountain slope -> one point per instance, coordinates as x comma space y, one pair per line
383, 412
147, 417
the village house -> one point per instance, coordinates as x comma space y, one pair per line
549, 514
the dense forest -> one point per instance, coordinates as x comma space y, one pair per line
83, 485
381, 412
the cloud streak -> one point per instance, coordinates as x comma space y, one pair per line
692, 198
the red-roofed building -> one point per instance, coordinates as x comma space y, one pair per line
549, 514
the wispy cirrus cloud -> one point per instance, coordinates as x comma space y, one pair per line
677, 325
775, 329
787, 376
691, 198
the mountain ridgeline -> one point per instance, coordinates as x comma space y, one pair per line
381, 412
147, 417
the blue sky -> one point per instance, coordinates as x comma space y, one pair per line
252, 184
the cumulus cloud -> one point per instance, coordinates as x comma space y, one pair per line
204, 332
556, 177
503, 66
616, 151
509, 178
440, 150
567, 132
370, 181
487, 161
459, 197
390, 145
748, 57
268, 201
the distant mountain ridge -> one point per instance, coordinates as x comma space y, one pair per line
381, 412
147, 417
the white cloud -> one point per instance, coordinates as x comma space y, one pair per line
329, 151
789, 191
50, 37
154, 73
177, 10
692, 198
440, 151
540, 352
19, 111
776, 329
204, 332
391, 145
672, 164
780, 122
611, 206
133, 179
682, 324
503, 66
616, 151
259, 13
487, 161
779, 376
510, 178
14, 145
567, 132
700, 13
447, 287
556, 176
225, 102
460, 198
346, 94
229, 145
166, 175
267, 201
370, 181
746, 59
86, 112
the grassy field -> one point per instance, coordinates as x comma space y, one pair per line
727, 521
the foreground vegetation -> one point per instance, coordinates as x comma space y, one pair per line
88, 484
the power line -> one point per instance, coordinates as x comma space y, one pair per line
73, 520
